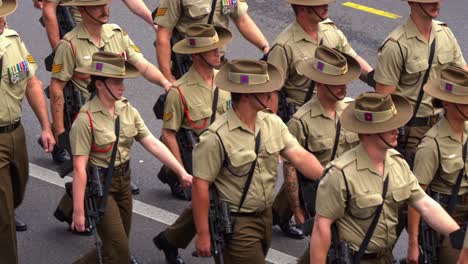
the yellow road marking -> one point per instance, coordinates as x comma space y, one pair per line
371, 10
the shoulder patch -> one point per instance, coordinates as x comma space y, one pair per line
56, 68
168, 116
161, 11
135, 48
30, 59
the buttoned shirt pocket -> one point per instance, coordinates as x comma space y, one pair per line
196, 9
128, 133
321, 148
240, 161
414, 70
451, 165
364, 206
445, 57
199, 112
401, 194
103, 138
273, 145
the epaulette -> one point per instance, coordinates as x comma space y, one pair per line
440, 23
10, 33
283, 37
114, 27
304, 109
84, 108
394, 152
394, 36
328, 21
179, 83
432, 133
348, 100
344, 160
218, 123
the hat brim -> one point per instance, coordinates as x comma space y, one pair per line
309, 2
306, 68
7, 8
85, 3
404, 113
130, 72
274, 83
224, 36
423, 1
432, 88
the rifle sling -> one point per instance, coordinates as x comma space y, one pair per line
337, 140
110, 169
214, 105
425, 78
373, 225
456, 187
213, 8
251, 172
311, 89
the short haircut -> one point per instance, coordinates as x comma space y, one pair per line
235, 97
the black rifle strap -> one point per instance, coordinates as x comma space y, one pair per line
110, 168
456, 187
214, 105
424, 81
1, 67
251, 172
337, 140
213, 8
373, 225
311, 89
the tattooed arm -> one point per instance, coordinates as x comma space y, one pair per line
292, 189
56, 105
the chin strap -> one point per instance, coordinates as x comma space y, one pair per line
205, 61
95, 19
384, 141
319, 16
461, 113
260, 102
425, 12
334, 95
105, 84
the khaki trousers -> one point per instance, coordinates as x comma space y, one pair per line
114, 229
14, 174
182, 231
281, 208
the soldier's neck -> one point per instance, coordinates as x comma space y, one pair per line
423, 24
457, 125
328, 105
311, 28
94, 31
375, 152
108, 103
205, 72
246, 114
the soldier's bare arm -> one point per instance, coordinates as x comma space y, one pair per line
56, 105
139, 8
305, 162
49, 14
435, 215
382, 88
79, 185
163, 52
251, 32
365, 68
169, 139
201, 205
292, 188
320, 240
152, 74
413, 230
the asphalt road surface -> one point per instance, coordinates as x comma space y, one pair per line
48, 241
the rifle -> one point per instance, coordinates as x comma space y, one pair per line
285, 110
94, 191
187, 139
307, 196
340, 251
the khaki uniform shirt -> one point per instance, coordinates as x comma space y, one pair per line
17, 68
73, 9
406, 72
198, 100
76, 50
316, 131
180, 14
102, 136
365, 189
239, 143
294, 44
440, 171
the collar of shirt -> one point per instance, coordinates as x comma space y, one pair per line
234, 122
363, 161
445, 130
299, 34
4, 43
317, 109
412, 31
95, 105
194, 78
106, 33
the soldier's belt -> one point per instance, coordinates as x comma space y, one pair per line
249, 214
423, 121
120, 170
369, 256
444, 199
10, 128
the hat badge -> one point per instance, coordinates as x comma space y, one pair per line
449, 87
368, 117
320, 66
244, 79
99, 66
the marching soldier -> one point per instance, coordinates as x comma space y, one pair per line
317, 127
243, 147
299, 40
440, 162
75, 50
196, 93
92, 140
361, 191
173, 18
17, 80
414, 53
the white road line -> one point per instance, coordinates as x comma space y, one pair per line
146, 210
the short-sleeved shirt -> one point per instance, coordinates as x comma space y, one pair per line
180, 14
239, 145
98, 142
405, 69
316, 130
294, 44
73, 9
77, 48
17, 68
439, 158
365, 187
198, 98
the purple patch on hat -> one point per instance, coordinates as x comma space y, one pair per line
192, 42
98, 66
448, 87
320, 66
244, 79
368, 117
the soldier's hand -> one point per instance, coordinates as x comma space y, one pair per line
48, 140
413, 253
299, 216
37, 4
203, 245
78, 223
185, 180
